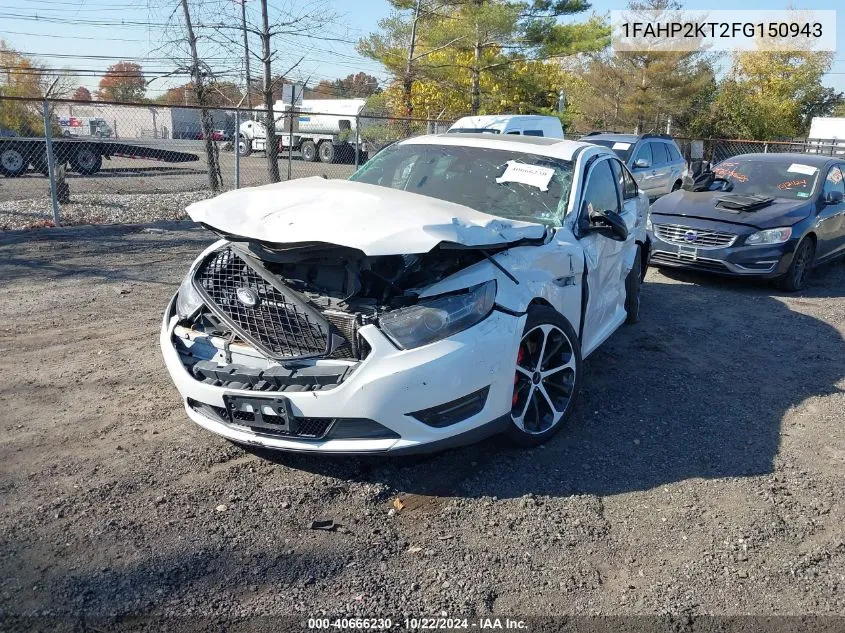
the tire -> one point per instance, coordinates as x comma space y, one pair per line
534, 419
86, 161
244, 146
308, 151
326, 152
12, 162
633, 283
796, 276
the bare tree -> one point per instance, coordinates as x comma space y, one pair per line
198, 71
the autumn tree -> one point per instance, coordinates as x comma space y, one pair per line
123, 81
473, 45
642, 90
82, 94
771, 94
219, 94
20, 77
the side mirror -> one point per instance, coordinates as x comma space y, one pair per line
607, 223
833, 197
642, 163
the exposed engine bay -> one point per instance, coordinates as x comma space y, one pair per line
309, 300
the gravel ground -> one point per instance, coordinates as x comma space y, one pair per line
702, 471
98, 209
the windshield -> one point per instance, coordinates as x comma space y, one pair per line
622, 148
505, 183
785, 177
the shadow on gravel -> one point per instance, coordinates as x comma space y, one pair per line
698, 388
61, 249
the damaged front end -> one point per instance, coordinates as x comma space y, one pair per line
289, 318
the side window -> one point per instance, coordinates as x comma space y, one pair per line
533, 132
834, 182
644, 152
616, 167
661, 156
629, 185
674, 154
513, 132
600, 194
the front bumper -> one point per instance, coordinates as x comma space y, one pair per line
385, 387
738, 260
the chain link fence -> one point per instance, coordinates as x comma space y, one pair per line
718, 149
136, 163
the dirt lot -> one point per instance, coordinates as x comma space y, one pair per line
702, 472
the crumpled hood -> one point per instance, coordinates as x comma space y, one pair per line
376, 220
781, 212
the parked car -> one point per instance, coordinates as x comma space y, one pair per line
654, 159
448, 291
520, 124
216, 135
773, 216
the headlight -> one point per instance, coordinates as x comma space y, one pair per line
769, 236
648, 226
436, 318
188, 300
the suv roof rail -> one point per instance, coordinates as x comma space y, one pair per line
657, 136
596, 132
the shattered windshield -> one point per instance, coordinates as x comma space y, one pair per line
508, 184
785, 177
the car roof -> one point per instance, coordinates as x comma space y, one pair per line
816, 160
544, 146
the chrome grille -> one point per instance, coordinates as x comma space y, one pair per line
687, 236
280, 324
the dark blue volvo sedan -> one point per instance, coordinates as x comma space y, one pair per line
774, 216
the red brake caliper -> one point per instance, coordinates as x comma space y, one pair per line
520, 355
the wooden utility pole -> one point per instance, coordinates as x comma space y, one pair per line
408, 78
272, 147
246, 54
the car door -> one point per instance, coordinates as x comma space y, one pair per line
605, 258
830, 225
662, 168
642, 168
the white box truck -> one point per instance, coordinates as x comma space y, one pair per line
322, 129
827, 136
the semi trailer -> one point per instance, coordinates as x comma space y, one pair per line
83, 155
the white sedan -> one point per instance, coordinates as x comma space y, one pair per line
450, 290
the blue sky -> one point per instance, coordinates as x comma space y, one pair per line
57, 31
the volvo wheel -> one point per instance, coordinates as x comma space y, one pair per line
802, 265
546, 378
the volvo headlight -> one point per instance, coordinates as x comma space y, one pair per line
436, 318
188, 300
769, 236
